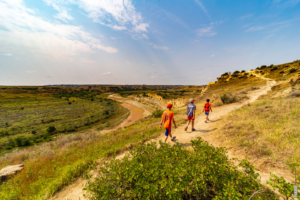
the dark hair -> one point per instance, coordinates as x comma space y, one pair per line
207, 100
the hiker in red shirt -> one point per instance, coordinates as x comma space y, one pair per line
207, 109
167, 118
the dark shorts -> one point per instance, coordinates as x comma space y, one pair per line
167, 132
191, 118
207, 113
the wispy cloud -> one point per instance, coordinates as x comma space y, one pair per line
155, 46
175, 18
212, 56
246, 16
30, 72
107, 73
25, 29
254, 28
6, 54
202, 7
206, 31
117, 14
62, 12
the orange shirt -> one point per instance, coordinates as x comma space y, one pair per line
167, 118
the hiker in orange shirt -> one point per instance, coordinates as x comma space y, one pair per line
207, 109
167, 119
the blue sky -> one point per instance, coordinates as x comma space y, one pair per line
189, 42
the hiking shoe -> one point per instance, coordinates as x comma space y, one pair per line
206, 121
207, 118
173, 138
193, 129
186, 128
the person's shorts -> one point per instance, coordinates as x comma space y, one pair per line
167, 132
191, 118
207, 113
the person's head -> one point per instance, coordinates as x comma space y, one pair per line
207, 100
192, 100
169, 106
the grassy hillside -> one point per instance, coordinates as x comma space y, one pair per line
31, 118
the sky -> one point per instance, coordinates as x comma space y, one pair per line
169, 42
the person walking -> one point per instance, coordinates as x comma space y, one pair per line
191, 110
167, 119
207, 109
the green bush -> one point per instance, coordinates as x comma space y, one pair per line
236, 72
282, 72
18, 141
173, 172
263, 67
228, 98
225, 74
51, 129
157, 113
274, 68
293, 70
243, 71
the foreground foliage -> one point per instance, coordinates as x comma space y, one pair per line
174, 172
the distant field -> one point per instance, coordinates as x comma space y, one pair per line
26, 119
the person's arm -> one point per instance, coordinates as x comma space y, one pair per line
194, 113
161, 122
203, 109
174, 123
210, 109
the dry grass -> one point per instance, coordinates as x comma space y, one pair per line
266, 128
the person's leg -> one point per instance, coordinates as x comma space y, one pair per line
193, 123
186, 127
166, 134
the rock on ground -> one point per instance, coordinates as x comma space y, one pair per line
8, 171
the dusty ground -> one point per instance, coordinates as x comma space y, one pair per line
209, 132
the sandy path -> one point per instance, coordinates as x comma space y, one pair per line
137, 111
207, 131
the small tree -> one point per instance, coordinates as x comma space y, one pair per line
236, 72
157, 113
51, 129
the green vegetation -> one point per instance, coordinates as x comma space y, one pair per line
157, 113
48, 168
35, 118
266, 129
174, 172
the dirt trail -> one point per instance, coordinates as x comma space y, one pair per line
207, 131
137, 111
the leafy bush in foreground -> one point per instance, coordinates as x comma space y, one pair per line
174, 172
228, 98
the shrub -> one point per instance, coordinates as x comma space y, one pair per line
271, 66
22, 108
225, 74
243, 71
293, 70
282, 72
228, 98
51, 129
263, 67
274, 68
293, 94
173, 172
18, 141
69, 103
33, 132
236, 72
157, 113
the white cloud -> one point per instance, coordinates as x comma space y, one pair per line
212, 56
254, 28
30, 72
155, 46
5, 54
40, 36
107, 73
113, 38
117, 14
62, 12
202, 7
207, 31
145, 36
245, 16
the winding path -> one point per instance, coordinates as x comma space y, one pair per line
207, 131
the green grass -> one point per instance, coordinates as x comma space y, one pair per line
48, 169
25, 118
269, 128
